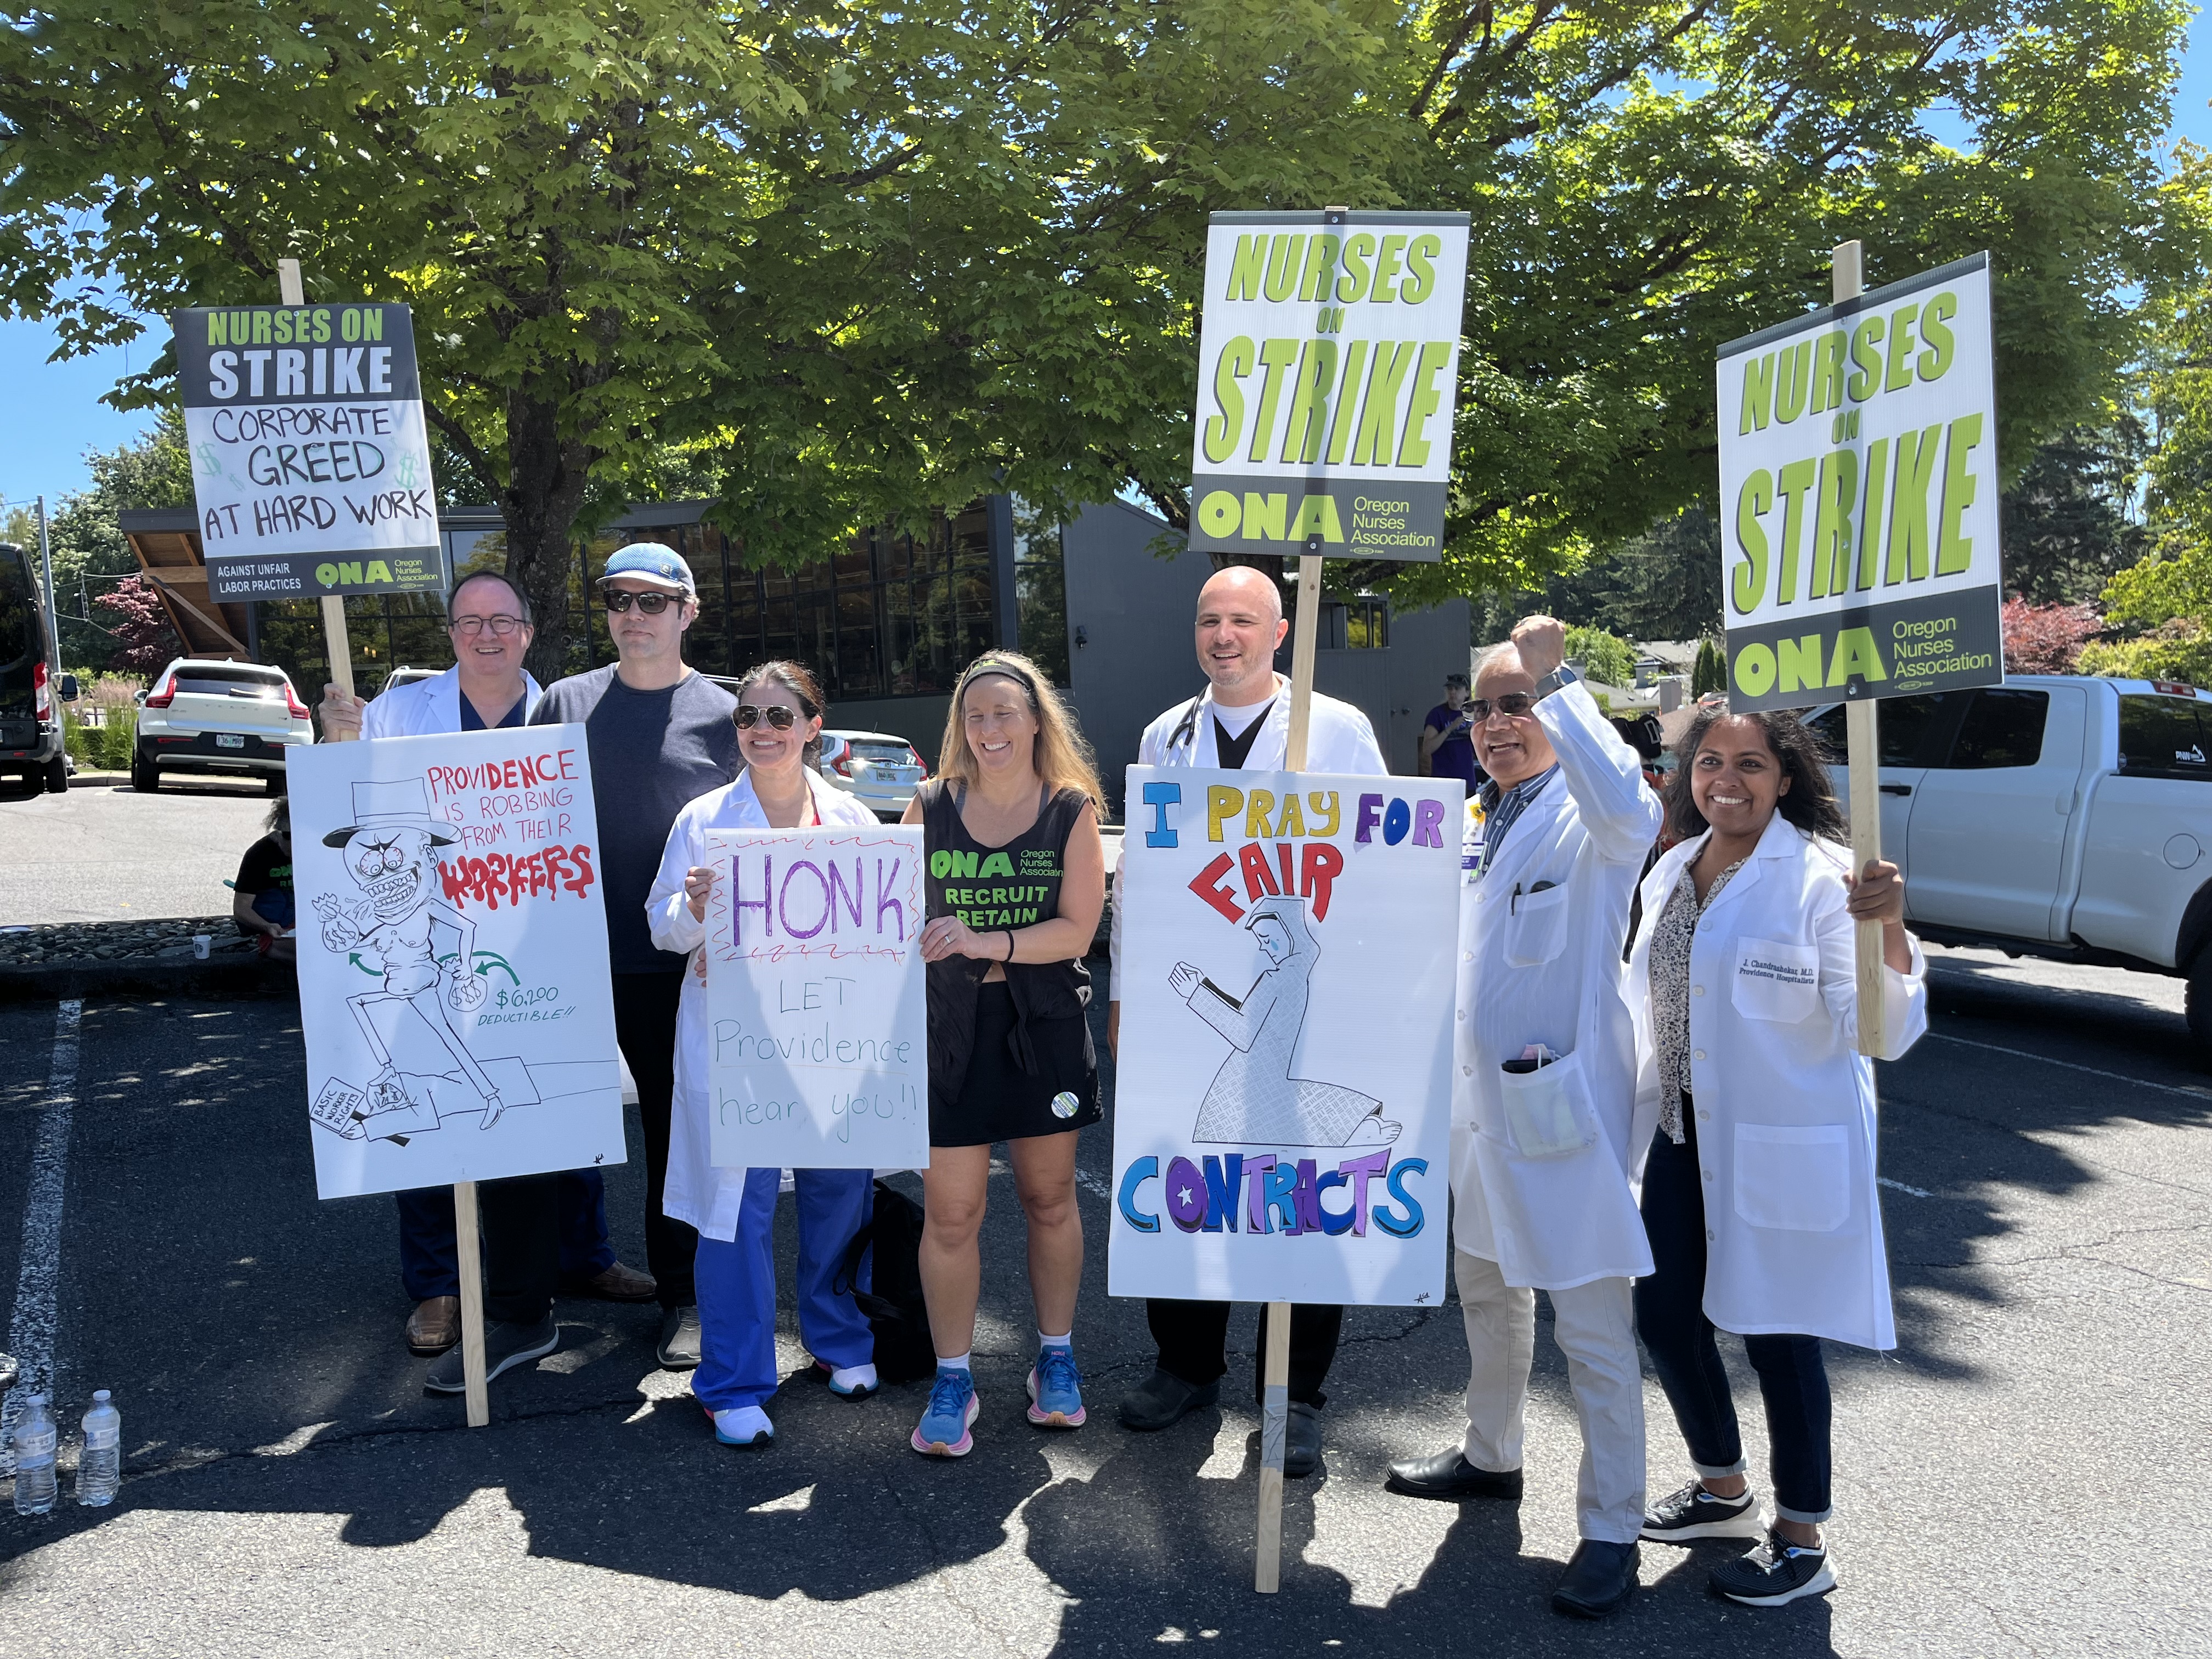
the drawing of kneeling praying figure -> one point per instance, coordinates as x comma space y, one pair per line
1253, 1098
393, 929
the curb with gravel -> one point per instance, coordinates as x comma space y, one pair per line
152, 957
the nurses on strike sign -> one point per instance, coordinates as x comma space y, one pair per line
1329, 355
1859, 496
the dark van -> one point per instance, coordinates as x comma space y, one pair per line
30, 721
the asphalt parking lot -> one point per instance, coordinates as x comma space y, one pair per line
2023, 1476
102, 852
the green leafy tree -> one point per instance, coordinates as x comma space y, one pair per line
856, 264
1605, 657
2161, 604
1710, 672
2066, 521
86, 534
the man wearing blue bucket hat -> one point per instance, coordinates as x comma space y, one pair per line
660, 735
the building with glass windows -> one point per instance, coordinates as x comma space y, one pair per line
1103, 605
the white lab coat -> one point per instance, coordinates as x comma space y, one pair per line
1546, 969
697, 1191
422, 707
1784, 1100
1337, 739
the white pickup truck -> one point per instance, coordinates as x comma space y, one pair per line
2055, 817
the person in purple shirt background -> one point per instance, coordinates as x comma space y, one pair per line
1447, 740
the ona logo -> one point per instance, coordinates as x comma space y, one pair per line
354, 573
1065, 1104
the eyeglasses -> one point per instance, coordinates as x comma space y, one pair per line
472, 626
620, 600
1511, 704
775, 714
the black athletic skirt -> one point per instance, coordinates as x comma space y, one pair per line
999, 1101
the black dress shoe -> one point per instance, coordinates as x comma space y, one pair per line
1597, 1580
1450, 1476
1164, 1398
1302, 1441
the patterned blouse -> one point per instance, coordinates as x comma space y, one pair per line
1670, 991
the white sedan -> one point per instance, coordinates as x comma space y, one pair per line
881, 770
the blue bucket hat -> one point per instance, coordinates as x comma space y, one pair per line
650, 562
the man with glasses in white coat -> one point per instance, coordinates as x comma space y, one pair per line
1545, 1141
487, 688
1242, 719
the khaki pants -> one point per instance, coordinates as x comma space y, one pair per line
1595, 1326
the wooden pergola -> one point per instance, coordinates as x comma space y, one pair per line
167, 544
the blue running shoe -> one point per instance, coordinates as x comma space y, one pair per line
1055, 1390
943, 1431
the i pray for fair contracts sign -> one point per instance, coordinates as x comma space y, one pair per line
1329, 356
1283, 1118
818, 1038
1859, 486
311, 466
453, 982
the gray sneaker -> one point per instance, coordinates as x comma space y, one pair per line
506, 1346
679, 1339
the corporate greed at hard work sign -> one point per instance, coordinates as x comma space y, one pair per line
817, 1039
309, 464
1859, 491
1328, 354
1282, 1116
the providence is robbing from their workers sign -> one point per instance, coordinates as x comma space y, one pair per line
1859, 497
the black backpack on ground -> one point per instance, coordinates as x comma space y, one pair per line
894, 1307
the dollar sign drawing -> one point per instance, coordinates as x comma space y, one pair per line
211, 460
406, 472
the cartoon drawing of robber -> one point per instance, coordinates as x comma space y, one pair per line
389, 853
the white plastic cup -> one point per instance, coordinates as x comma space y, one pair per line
201, 945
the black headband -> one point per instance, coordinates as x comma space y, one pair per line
983, 665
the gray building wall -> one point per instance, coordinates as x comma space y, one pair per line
1134, 609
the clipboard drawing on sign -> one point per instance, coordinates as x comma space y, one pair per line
1254, 1098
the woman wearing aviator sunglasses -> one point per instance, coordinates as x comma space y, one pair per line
778, 716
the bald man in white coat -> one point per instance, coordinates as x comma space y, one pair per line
1242, 719
1546, 1138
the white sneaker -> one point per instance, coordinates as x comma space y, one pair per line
743, 1425
849, 1381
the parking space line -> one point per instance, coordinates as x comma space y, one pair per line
38, 1276
2116, 1077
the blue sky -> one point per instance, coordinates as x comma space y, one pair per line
50, 413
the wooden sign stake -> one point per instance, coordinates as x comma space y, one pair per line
1275, 1414
1862, 734
291, 292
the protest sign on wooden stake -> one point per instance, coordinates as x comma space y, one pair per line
1859, 543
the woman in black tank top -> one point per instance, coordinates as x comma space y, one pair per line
1017, 881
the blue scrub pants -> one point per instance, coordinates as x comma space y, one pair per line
737, 1287
429, 1257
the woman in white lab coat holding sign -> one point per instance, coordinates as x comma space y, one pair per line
1758, 1191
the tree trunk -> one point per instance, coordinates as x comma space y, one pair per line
546, 479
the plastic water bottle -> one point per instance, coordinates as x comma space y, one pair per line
35, 1439
100, 1465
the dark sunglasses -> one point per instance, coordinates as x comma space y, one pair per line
1514, 703
620, 600
775, 714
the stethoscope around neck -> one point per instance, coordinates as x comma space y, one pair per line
1185, 735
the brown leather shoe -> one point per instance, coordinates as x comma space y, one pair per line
434, 1326
616, 1284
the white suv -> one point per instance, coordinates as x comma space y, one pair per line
224, 718
876, 768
